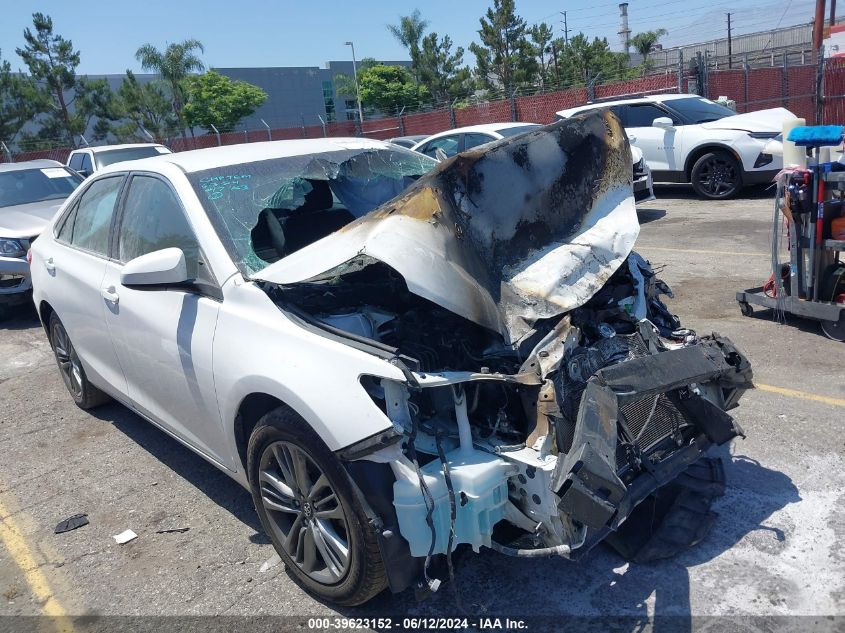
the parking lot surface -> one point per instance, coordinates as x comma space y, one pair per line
776, 548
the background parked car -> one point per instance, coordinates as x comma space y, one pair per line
460, 139
687, 138
88, 160
407, 141
30, 194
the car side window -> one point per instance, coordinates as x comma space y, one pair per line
91, 220
153, 219
621, 111
75, 161
449, 145
642, 115
473, 139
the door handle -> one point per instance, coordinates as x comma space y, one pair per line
110, 295
49, 265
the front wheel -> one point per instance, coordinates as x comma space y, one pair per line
309, 510
716, 176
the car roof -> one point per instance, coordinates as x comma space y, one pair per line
30, 164
103, 148
483, 127
212, 157
605, 104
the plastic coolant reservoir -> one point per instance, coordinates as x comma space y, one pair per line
479, 481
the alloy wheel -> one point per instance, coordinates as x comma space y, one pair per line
304, 512
718, 176
69, 365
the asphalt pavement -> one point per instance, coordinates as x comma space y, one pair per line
776, 548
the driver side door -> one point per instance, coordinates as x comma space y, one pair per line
660, 147
163, 336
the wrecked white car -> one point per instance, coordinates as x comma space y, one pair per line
398, 357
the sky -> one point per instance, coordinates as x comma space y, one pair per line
280, 33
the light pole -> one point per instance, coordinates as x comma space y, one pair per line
357, 87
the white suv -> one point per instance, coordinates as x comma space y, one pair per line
87, 160
687, 138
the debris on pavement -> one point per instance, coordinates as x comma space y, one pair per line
72, 523
180, 530
124, 537
270, 563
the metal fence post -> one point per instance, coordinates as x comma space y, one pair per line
269, 132
745, 69
699, 75
591, 91
785, 81
680, 71
7, 151
323, 123
246, 136
513, 106
401, 121
820, 65
302, 121
453, 123
217, 132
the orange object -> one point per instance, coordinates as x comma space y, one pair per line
837, 228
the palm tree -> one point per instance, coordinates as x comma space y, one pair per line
409, 33
173, 65
644, 43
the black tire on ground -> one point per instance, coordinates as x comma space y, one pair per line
85, 395
716, 176
280, 437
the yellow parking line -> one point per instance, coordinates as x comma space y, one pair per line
12, 538
703, 252
794, 393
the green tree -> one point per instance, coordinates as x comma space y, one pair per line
584, 62
504, 58
542, 37
440, 70
20, 101
51, 59
173, 65
215, 99
388, 88
143, 106
409, 32
644, 44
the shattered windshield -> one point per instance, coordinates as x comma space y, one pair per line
265, 210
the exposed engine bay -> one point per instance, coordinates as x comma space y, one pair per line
549, 390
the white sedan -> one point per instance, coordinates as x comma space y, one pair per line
390, 353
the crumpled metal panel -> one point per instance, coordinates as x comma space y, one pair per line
523, 229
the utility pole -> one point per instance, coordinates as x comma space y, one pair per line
565, 28
818, 27
730, 50
832, 20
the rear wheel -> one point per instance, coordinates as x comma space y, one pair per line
311, 514
834, 329
716, 176
85, 395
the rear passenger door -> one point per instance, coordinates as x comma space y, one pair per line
76, 268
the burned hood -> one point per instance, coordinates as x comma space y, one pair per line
523, 229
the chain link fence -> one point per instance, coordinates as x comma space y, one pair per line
814, 91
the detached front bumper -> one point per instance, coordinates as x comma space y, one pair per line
612, 467
15, 282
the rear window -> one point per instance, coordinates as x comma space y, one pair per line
111, 156
35, 185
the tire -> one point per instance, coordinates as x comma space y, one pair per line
716, 176
283, 449
84, 394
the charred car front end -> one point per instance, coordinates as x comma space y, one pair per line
547, 389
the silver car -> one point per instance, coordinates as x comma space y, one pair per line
30, 194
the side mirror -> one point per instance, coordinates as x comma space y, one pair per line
663, 122
159, 268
